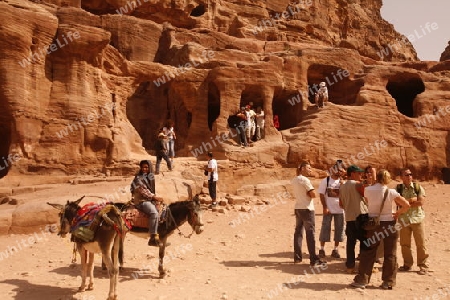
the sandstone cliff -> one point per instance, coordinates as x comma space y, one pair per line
87, 84
446, 54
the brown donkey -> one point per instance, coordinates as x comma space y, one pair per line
108, 240
177, 214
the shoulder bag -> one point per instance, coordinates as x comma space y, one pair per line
374, 222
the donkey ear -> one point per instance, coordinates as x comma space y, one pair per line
57, 206
196, 199
78, 201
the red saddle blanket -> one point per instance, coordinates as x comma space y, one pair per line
136, 217
86, 215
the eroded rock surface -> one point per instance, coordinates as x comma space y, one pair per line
87, 84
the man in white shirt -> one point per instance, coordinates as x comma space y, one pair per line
329, 197
213, 176
321, 97
304, 214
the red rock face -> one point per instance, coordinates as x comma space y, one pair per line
86, 85
446, 54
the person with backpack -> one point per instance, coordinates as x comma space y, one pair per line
414, 218
380, 206
329, 197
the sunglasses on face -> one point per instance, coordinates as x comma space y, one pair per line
409, 174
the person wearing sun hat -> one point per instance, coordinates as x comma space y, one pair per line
352, 201
321, 97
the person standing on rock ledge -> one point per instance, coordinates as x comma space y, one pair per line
171, 137
304, 215
161, 152
213, 176
321, 97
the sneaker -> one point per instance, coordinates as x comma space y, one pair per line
386, 286
358, 285
404, 269
322, 253
213, 205
335, 254
423, 271
317, 262
154, 240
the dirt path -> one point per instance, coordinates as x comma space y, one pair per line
239, 256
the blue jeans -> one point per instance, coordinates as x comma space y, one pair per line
325, 231
150, 209
305, 218
171, 148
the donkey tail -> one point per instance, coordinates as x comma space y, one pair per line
121, 252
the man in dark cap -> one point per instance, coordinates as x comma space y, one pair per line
144, 198
352, 201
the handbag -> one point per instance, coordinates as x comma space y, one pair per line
373, 222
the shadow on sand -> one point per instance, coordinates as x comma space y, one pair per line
26, 291
335, 266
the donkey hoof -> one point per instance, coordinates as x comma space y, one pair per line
81, 289
90, 287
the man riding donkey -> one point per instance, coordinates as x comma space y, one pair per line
145, 199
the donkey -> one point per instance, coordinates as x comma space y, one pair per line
108, 240
177, 214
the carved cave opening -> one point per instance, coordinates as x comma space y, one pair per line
5, 133
287, 105
148, 110
198, 11
252, 93
6, 122
341, 89
404, 88
213, 104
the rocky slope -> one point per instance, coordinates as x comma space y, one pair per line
86, 85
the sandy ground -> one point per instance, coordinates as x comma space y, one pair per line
238, 256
